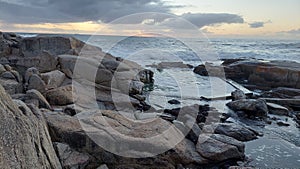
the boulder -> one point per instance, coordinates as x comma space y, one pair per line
277, 109
70, 158
238, 95
2, 69
36, 95
219, 148
8, 75
252, 107
36, 82
266, 74
232, 130
11, 86
62, 96
174, 101
25, 141
53, 79
77, 132
170, 65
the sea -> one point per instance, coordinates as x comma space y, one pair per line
278, 148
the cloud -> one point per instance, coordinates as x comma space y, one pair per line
199, 20
294, 32
205, 19
58, 11
258, 24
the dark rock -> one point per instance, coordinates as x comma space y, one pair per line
70, 158
25, 139
238, 95
174, 101
251, 107
232, 130
219, 148
169, 65
277, 109
281, 123
36, 82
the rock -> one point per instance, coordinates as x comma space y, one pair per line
251, 107
200, 70
174, 101
2, 69
103, 166
11, 86
8, 67
266, 74
29, 72
238, 95
209, 70
281, 92
70, 158
291, 103
281, 123
62, 96
277, 109
170, 65
36, 95
25, 141
232, 130
53, 79
8, 75
54, 45
36, 82
17, 76
219, 148
76, 133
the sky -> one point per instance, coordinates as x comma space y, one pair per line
216, 18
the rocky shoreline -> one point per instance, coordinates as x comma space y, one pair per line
61, 97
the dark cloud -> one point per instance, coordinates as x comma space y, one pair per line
55, 11
106, 11
294, 32
258, 24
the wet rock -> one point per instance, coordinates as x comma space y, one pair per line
251, 107
238, 95
281, 92
282, 123
25, 139
62, 96
232, 130
219, 148
209, 70
70, 158
277, 109
53, 79
174, 101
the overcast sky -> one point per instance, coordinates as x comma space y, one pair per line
214, 17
